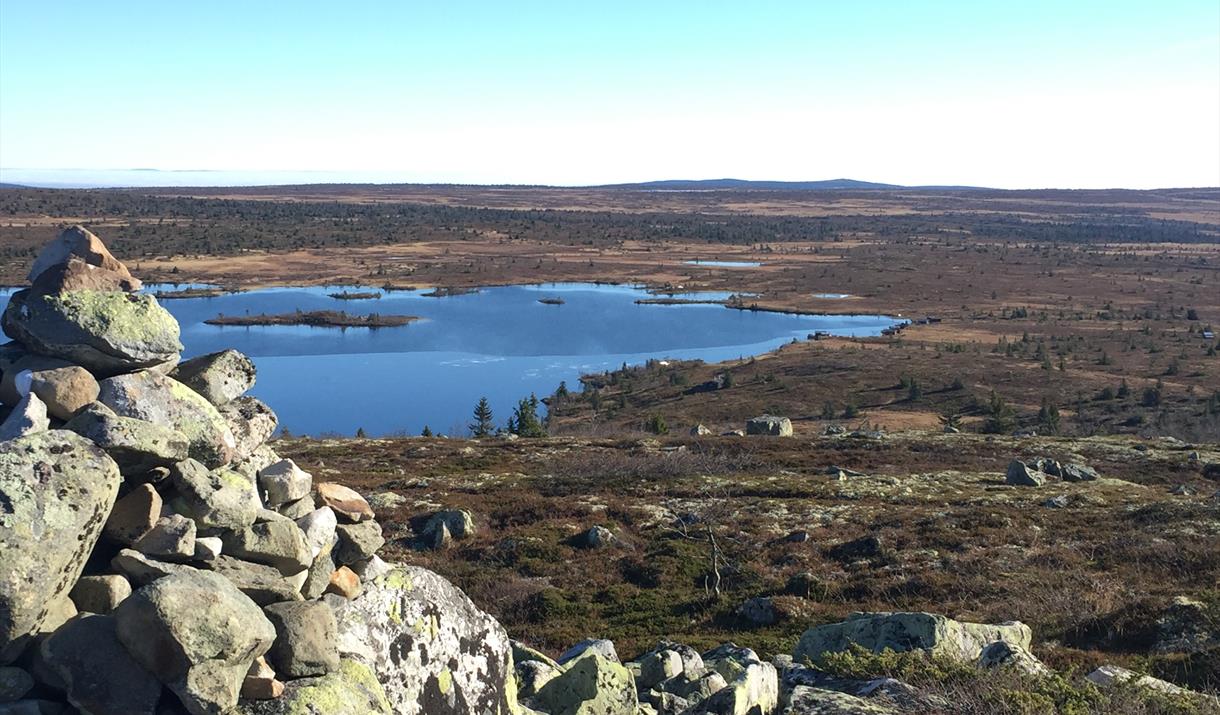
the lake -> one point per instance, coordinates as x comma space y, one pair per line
498, 342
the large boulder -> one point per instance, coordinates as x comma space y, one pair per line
107, 332
1023, 475
99, 676
136, 445
16, 360
433, 651
352, 690
901, 632
589, 685
76, 242
197, 634
770, 425
57, 489
219, 377
153, 397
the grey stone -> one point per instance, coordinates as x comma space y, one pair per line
152, 397
909, 631
27, 418
171, 538
57, 488
1021, 474
137, 446
283, 482
262, 584
218, 377
197, 634
220, 499
357, 542
98, 673
14, 684
769, 425
140, 570
252, 423
319, 528
280, 544
318, 579
296, 509
304, 639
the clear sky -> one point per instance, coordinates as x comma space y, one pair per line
1007, 94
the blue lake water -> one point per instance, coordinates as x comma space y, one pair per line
499, 342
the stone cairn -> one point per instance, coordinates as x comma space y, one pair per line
158, 557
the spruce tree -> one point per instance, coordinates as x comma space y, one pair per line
483, 425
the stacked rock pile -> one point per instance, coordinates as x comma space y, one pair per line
157, 556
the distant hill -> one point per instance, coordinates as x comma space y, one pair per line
714, 184
4, 185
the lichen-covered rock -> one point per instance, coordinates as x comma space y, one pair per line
106, 332
57, 489
352, 690
752, 686
219, 499
172, 538
433, 651
219, 377
589, 685
357, 542
152, 397
909, 631
252, 423
280, 544
138, 446
319, 527
197, 634
99, 675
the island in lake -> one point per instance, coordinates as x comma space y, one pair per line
316, 318
355, 295
551, 301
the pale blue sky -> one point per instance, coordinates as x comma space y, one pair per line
1020, 94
